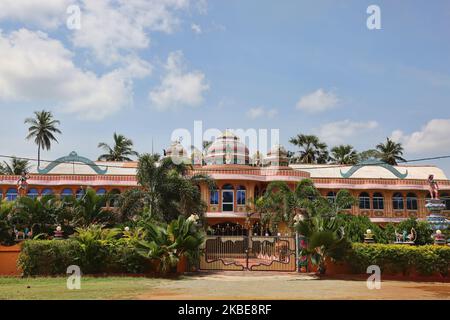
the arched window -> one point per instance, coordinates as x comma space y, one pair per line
397, 201
378, 201
227, 198
33, 193
47, 191
11, 194
214, 197
67, 193
331, 196
101, 192
115, 194
240, 195
411, 201
446, 198
80, 193
364, 200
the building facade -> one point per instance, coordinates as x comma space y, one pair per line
385, 193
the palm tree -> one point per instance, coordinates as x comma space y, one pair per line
16, 167
167, 245
344, 154
121, 150
390, 152
368, 154
168, 191
42, 129
312, 149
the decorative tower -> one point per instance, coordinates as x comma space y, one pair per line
437, 219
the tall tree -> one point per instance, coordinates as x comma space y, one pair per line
390, 152
15, 167
42, 129
168, 191
312, 150
368, 154
121, 151
344, 154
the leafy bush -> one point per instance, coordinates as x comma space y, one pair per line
181, 238
46, 257
426, 260
356, 226
6, 229
52, 257
422, 228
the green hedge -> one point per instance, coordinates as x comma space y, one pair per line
52, 257
391, 258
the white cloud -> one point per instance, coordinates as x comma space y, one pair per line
34, 67
196, 28
433, 137
317, 101
47, 14
259, 112
178, 87
341, 131
113, 29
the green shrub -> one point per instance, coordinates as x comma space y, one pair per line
47, 257
422, 228
426, 260
356, 226
52, 257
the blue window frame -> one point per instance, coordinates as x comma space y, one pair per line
11, 194
397, 201
331, 196
214, 197
411, 201
33, 193
227, 198
378, 201
101, 192
364, 201
47, 191
240, 195
67, 193
80, 193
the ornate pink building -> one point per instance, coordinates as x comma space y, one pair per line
386, 193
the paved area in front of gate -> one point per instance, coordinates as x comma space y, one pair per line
236, 285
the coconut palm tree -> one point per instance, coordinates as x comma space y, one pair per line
168, 190
121, 151
317, 222
15, 167
42, 129
368, 154
312, 150
390, 152
344, 154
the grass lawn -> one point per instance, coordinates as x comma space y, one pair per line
91, 288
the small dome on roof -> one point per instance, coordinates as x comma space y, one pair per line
227, 149
177, 152
277, 156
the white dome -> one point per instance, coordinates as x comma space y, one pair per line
227, 149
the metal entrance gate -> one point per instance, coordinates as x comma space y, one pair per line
254, 253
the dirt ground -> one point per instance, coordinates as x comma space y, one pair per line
262, 285
222, 285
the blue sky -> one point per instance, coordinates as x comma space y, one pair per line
145, 68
